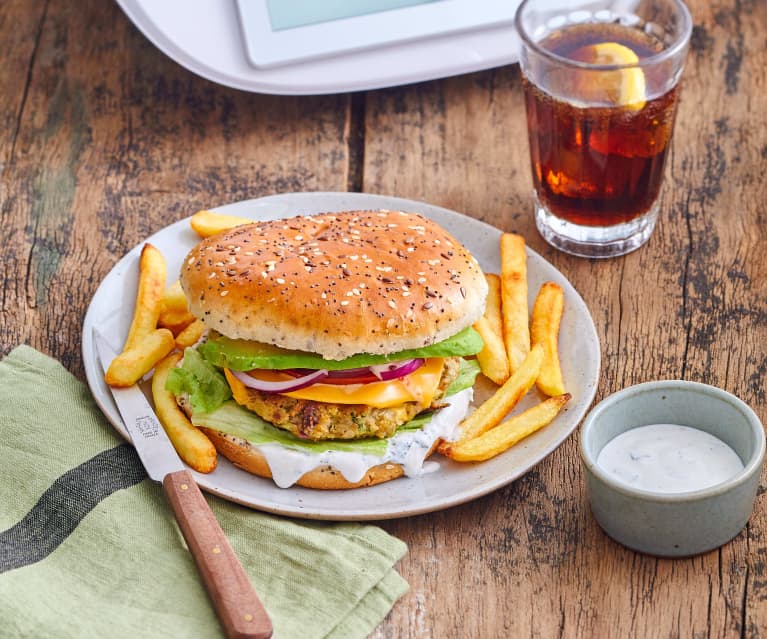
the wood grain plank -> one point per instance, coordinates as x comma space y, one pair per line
19, 33
726, 294
116, 141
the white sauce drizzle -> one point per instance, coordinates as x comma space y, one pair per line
668, 458
407, 448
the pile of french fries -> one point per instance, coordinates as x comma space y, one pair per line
521, 351
161, 328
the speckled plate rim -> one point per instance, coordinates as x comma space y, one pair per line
452, 483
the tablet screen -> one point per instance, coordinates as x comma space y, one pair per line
289, 14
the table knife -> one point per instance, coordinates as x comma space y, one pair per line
238, 607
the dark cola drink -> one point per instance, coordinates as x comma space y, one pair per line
598, 144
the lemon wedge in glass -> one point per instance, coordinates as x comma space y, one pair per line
621, 87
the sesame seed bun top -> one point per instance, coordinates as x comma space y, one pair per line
336, 284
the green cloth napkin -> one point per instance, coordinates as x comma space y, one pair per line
89, 547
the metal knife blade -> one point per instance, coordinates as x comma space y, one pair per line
147, 434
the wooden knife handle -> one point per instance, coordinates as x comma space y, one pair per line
238, 607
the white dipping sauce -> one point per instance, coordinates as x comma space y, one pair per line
668, 458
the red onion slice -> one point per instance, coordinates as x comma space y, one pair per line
306, 377
395, 370
281, 387
365, 374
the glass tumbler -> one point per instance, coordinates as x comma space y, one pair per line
601, 86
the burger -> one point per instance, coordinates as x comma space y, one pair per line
338, 350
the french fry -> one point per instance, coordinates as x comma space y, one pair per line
151, 287
176, 321
492, 358
190, 335
544, 330
174, 299
207, 223
504, 436
493, 308
133, 363
516, 331
191, 444
490, 413
146, 344
174, 314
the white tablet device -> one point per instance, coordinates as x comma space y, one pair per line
282, 32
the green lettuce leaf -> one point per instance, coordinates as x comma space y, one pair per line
235, 420
245, 355
467, 375
206, 387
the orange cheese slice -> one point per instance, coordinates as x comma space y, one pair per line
420, 386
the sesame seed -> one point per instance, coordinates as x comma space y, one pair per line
224, 293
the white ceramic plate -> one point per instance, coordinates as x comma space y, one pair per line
111, 310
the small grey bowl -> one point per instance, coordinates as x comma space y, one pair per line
673, 524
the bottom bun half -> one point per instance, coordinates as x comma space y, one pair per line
247, 457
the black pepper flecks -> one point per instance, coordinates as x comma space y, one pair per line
339, 254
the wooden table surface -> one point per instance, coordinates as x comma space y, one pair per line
104, 140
